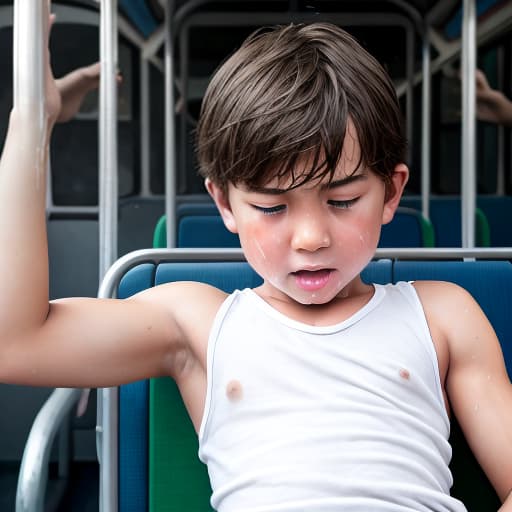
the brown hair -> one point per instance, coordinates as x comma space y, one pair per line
288, 93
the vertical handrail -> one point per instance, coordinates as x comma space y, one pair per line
108, 136
468, 146
170, 130
108, 206
30, 25
145, 118
409, 91
426, 120
30, 20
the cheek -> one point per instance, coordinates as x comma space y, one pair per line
261, 244
361, 233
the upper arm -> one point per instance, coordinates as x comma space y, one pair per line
477, 382
101, 342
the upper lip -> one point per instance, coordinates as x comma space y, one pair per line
311, 268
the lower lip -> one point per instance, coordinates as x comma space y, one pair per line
312, 280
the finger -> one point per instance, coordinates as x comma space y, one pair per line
481, 79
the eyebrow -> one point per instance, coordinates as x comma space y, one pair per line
274, 191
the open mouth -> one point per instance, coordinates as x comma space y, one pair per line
311, 280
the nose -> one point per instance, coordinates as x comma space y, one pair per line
310, 232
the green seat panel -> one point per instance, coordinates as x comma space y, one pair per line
171, 432
427, 231
159, 234
482, 229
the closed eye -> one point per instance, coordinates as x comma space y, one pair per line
270, 210
343, 205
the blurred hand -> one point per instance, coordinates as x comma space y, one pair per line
491, 105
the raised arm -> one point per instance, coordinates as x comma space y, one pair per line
77, 342
492, 105
23, 167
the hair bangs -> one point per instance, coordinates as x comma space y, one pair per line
282, 106
300, 138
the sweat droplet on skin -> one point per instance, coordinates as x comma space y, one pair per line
41, 152
258, 246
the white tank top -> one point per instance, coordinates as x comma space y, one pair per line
348, 417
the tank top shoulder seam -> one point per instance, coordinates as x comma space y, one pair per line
213, 336
411, 295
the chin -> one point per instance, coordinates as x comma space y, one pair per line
314, 298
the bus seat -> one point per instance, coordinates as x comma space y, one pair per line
409, 228
445, 215
199, 225
154, 427
196, 231
205, 231
203, 207
196, 208
150, 413
490, 283
498, 210
158, 465
159, 233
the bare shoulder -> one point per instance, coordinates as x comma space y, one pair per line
183, 292
455, 318
447, 305
185, 299
443, 299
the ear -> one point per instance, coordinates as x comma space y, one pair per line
394, 190
221, 200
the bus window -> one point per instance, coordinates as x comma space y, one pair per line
74, 150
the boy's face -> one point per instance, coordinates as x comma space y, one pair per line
310, 242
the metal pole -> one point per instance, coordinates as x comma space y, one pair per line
29, 58
108, 193
409, 100
145, 188
426, 125
108, 136
170, 150
30, 21
29, 27
468, 178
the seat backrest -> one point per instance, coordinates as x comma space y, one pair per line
445, 215
202, 207
407, 229
158, 465
205, 231
498, 211
200, 225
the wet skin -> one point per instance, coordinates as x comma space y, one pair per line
310, 243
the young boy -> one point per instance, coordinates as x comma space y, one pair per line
314, 391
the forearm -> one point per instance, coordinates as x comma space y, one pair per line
73, 88
24, 258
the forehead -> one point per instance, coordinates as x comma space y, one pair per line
349, 164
